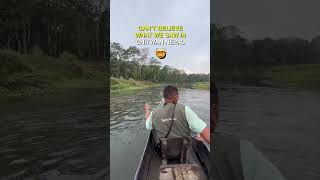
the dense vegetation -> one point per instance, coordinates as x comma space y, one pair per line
55, 26
137, 64
47, 44
28, 74
285, 62
231, 48
121, 85
201, 85
297, 76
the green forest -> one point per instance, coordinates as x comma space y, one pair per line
46, 44
287, 62
133, 68
53, 44
137, 64
56, 26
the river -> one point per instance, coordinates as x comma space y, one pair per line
66, 134
284, 124
128, 133
51, 135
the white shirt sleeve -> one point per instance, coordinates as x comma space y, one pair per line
149, 122
195, 123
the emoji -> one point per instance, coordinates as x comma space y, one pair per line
161, 53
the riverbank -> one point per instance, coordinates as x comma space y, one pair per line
25, 75
289, 76
120, 85
297, 76
201, 85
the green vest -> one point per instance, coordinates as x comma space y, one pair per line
162, 118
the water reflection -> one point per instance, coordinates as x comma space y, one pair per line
56, 134
282, 123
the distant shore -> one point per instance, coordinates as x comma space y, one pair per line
297, 76
303, 76
124, 86
201, 85
121, 85
26, 75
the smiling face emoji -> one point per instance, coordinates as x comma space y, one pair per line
161, 53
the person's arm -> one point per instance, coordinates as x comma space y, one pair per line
147, 110
205, 134
197, 125
148, 116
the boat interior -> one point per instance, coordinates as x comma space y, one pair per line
178, 159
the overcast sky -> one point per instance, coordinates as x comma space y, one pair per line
274, 18
194, 57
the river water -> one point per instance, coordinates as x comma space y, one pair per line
128, 133
67, 133
62, 134
284, 124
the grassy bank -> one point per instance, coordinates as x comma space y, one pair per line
22, 75
201, 85
297, 76
245, 74
120, 85
290, 76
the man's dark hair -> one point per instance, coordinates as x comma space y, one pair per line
170, 91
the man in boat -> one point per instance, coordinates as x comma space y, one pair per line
236, 159
174, 119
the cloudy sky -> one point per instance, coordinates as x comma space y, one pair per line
274, 18
194, 57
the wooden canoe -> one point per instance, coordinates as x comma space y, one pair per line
150, 166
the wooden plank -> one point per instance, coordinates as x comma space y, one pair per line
179, 172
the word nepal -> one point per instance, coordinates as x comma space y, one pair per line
160, 42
